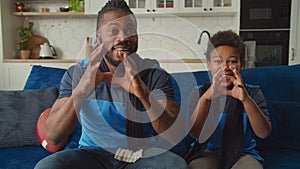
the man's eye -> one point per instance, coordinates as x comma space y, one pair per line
113, 31
217, 62
131, 32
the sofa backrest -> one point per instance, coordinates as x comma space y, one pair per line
281, 88
41, 77
280, 85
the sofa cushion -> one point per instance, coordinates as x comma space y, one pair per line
285, 117
42, 77
281, 159
21, 157
19, 112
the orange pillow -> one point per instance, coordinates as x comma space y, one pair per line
41, 132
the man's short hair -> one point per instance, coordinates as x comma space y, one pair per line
113, 5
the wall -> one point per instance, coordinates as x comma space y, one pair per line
160, 37
1, 49
9, 25
176, 36
294, 57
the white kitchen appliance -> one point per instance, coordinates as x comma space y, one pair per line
47, 51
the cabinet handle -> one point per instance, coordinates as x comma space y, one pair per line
153, 10
293, 54
148, 10
205, 9
210, 9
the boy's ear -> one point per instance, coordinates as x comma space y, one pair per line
208, 64
242, 66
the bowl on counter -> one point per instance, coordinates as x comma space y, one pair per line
64, 9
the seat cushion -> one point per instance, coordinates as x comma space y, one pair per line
281, 159
285, 117
21, 157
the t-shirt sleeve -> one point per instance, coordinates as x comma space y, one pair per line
195, 95
70, 80
259, 99
161, 85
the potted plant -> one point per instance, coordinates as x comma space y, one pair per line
76, 5
24, 33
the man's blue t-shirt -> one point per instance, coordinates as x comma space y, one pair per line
105, 111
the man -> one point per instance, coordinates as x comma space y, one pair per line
125, 104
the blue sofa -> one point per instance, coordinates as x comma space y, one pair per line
280, 85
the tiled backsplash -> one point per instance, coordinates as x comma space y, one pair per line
171, 36
162, 37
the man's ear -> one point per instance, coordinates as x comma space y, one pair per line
98, 38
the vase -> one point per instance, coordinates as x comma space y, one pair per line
24, 54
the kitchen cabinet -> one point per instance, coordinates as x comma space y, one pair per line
91, 7
294, 51
153, 6
208, 6
16, 74
178, 7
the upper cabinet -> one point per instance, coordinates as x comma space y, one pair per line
208, 6
91, 7
153, 6
178, 7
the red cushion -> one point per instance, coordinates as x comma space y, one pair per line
41, 132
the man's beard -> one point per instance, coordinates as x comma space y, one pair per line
111, 61
120, 69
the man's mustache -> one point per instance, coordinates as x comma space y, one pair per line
125, 44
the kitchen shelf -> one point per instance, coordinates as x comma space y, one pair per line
40, 60
42, 1
47, 14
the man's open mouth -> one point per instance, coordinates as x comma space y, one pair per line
121, 48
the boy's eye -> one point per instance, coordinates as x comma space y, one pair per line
232, 62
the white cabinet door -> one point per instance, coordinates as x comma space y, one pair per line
193, 6
222, 5
153, 6
165, 6
16, 74
139, 6
208, 6
294, 51
92, 7
2, 81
